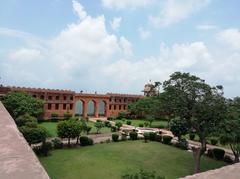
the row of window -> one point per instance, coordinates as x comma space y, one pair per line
51, 97
122, 100
57, 106
117, 107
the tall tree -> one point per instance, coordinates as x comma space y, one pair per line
20, 103
203, 107
230, 130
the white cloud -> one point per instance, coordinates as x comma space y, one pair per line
115, 23
126, 46
230, 37
205, 27
144, 34
25, 54
79, 10
122, 4
174, 11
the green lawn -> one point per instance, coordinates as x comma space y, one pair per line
52, 128
136, 122
110, 161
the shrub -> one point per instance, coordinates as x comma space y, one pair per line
45, 148
99, 125
128, 122
159, 138
142, 175
90, 141
210, 153
108, 141
123, 119
113, 128
54, 117
191, 136
84, 140
146, 136
140, 125
23, 119
214, 141
31, 124
166, 139
118, 125
123, 137
107, 124
133, 135
111, 118
115, 137
182, 144
57, 143
33, 135
218, 153
227, 159
152, 136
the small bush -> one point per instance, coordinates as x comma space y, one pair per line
129, 122
146, 136
218, 153
213, 141
133, 135
166, 139
227, 159
159, 138
115, 137
121, 115
113, 128
140, 125
118, 125
90, 141
107, 123
142, 174
110, 118
191, 136
108, 141
45, 148
152, 136
210, 153
123, 137
88, 129
84, 141
57, 143
182, 144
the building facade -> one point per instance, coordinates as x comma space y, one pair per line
82, 104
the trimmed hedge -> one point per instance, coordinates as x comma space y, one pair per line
152, 136
84, 141
159, 138
166, 139
115, 137
146, 136
57, 143
128, 122
218, 153
133, 135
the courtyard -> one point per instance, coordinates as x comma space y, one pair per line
113, 160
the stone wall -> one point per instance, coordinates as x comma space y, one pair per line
17, 160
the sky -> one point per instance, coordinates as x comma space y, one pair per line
118, 46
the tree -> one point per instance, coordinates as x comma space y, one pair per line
230, 130
69, 129
20, 103
178, 127
99, 125
150, 119
203, 107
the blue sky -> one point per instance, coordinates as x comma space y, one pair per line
118, 46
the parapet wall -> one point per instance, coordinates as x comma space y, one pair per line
17, 160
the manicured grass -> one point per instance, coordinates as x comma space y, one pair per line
115, 159
136, 122
52, 128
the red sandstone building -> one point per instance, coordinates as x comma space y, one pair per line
86, 105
